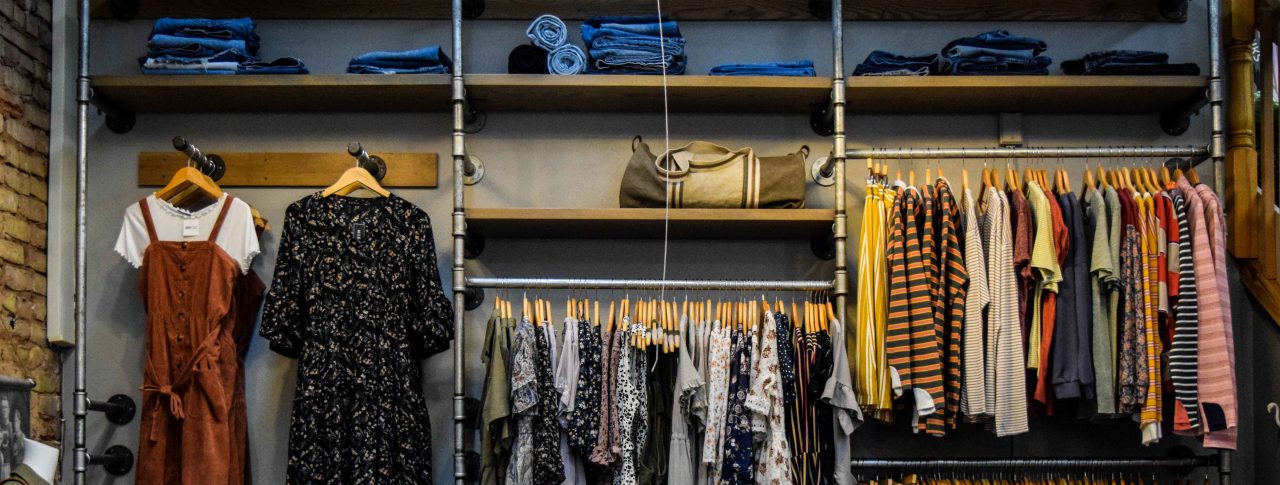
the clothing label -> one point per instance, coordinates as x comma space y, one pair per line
190, 228
357, 230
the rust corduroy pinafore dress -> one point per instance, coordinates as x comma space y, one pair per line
192, 367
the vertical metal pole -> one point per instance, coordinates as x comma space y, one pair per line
79, 399
1217, 143
1224, 467
841, 225
459, 242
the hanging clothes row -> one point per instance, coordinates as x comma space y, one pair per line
667, 392
1006, 477
1033, 299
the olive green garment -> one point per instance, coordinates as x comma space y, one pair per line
24, 475
495, 408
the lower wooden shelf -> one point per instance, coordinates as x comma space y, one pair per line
648, 223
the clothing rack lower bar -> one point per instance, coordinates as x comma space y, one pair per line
624, 284
1195, 153
947, 463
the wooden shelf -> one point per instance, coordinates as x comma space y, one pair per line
607, 93
1020, 94
275, 93
982, 10
648, 223
604, 93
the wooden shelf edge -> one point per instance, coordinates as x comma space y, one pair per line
1266, 291
526, 223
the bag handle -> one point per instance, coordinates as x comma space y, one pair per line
635, 143
804, 150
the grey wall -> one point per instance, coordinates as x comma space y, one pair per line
569, 160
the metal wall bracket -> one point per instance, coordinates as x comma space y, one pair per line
475, 246
820, 9
123, 9
119, 409
1176, 119
475, 297
824, 246
472, 170
471, 9
1010, 129
822, 172
822, 119
117, 460
473, 119
118, 120
1175, 10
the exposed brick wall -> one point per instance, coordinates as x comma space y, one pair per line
25, 43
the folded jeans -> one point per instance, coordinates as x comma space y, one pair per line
787, 68
421, 58
527, 59
224, 29
365, 69
283, 65
974, 51
1000, 39
169, 45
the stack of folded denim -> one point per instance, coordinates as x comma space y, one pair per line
551, 51
1122, 62
209, 46
425, 60
881, 63
802, 67
634, 45
995, 53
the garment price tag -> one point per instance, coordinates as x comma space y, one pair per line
357, 230
190, 228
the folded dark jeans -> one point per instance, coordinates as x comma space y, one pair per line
283, 65
1000, 39
527, 59
224, 29
994, 65
638, 65
169, 45
883, 62
802, 67
424, 59
1124, 61
1122, 69
363, 69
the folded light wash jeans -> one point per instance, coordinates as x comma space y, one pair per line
803, 67
425, 59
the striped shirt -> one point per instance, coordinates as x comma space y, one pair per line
949, 303
1183, 356
911, 341
1217, 350
973, 402
1006, 381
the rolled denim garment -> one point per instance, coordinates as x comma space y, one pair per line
527, 59
225, 29
194, 47
412, 59
283, 65
566, 60
363, 69
548, 32
803, 67
973, 51
1000, 39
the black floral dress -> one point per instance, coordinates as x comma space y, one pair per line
357, 299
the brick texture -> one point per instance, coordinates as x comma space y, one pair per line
24, 187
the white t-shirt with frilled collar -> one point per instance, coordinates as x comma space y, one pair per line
237, 236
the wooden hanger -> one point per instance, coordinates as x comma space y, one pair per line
1088, 179
188, 180
964, 179
351, 180
1102, 177
1193, 177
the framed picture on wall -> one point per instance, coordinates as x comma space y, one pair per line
15, 420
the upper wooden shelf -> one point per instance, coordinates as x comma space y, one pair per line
992, 10
606, 93
648, 223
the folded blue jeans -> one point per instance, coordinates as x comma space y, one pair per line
566, 60
974, 51
637, 64
224, 29
803, 67
192, 47
283, 65
994, 65
548, 32
425, 59
363, 69
672, 46
882, 62
1095, 60
1000, 39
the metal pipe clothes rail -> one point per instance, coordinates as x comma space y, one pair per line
644, 284
1031, 152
